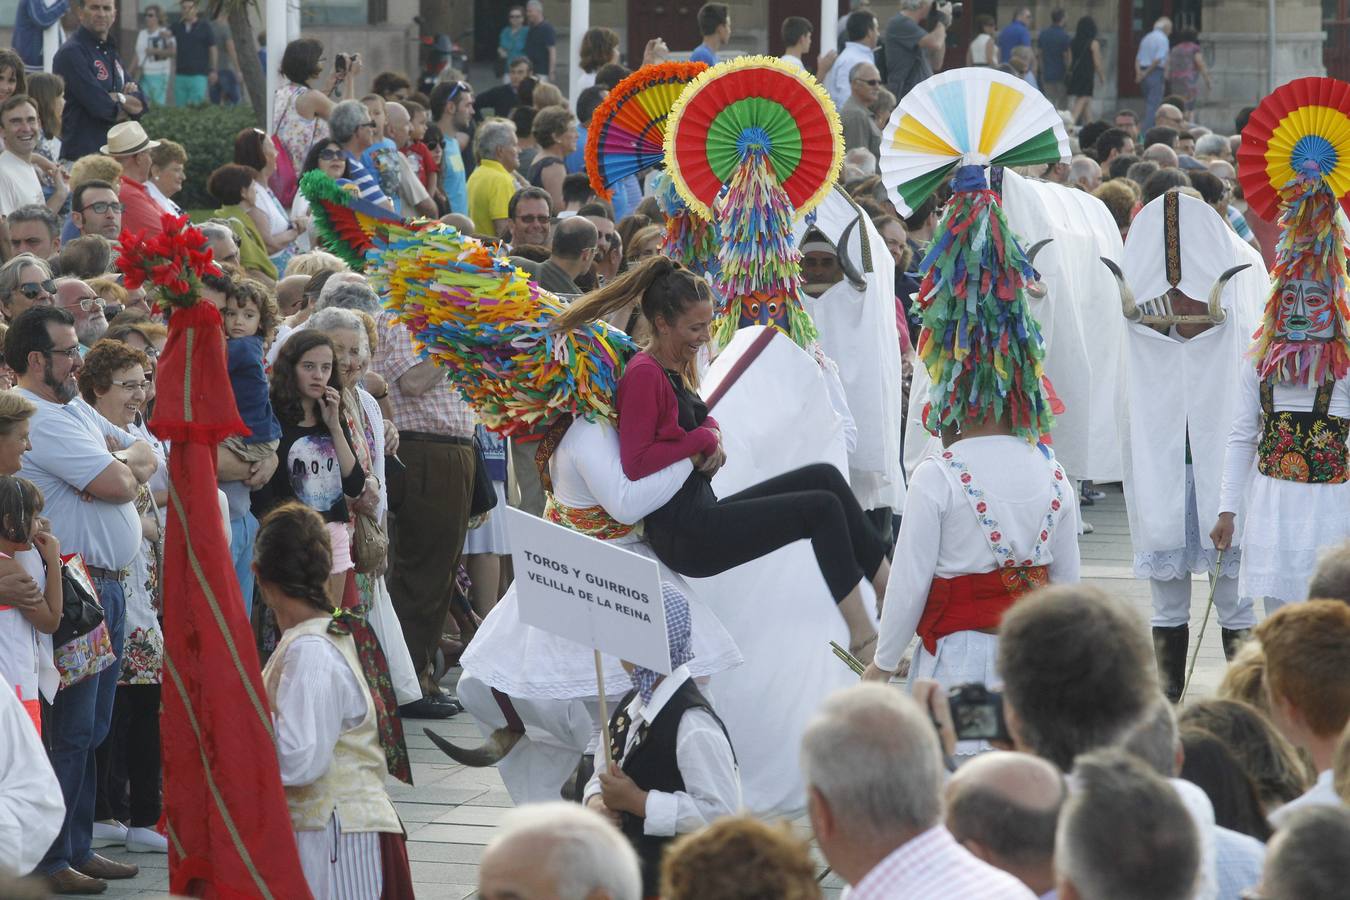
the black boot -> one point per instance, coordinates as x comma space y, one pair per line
1170, 646
1233, 639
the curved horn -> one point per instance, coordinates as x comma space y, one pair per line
1036, 289
1127, 304
1037, 248
489, 753
851, 272
1216, 311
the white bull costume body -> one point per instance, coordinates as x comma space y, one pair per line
775, 417
856, 322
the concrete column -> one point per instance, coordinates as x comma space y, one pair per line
277, 23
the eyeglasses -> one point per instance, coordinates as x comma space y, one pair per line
70, 353
102, 207
132, 386
331, 154
86, 303
870, 82
33, 289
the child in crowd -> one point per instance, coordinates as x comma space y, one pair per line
674, 770
381, 157
250, 316
20, 503
424, 162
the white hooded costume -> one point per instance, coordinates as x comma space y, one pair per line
1179, 400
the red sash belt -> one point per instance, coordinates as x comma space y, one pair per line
974, 602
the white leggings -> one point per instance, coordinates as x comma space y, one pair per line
1172, 603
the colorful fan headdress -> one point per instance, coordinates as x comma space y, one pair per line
1295, 159
689, 238
980, 344
753, 143
627, 134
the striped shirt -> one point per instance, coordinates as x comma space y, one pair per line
367, 184
933, 864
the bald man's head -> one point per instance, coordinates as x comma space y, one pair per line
1004, 807
1161, 154
291, 294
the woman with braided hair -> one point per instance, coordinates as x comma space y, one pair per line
350, 838
663, 420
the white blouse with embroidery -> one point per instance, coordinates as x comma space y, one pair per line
1029, 517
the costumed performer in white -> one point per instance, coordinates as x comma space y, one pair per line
1184, 352
533, 692
992, 516
1292, 415
350, 839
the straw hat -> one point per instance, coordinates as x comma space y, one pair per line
127, 139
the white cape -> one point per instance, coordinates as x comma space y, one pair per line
776, 418
857, 331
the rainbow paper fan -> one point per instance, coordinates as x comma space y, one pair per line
1302, 123
971, 116
627, 134
761, 103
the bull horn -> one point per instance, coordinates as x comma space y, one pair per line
1036, 289
489, 753
1127, 304
1216, 311
851, 272
1037, 248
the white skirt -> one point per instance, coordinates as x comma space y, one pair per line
960, 658
490, 537
523, 661
1194, 558
341, 865
1288, 526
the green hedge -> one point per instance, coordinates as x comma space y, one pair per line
207, 134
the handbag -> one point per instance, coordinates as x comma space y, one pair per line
81, 612
283, 180
370, 545
484, 498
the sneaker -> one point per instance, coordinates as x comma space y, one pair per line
146, 840
1087, 528
1094, 495
108, 833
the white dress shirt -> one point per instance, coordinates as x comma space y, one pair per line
712, 785
1322, 793
836, 80
934, 865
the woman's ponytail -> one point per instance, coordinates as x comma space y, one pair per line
630, 287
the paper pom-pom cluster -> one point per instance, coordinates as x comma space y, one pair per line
487, 325
980, 344
171, 263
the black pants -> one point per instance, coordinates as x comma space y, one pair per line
698, 535
128, 759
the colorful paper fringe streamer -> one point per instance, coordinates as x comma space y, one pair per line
1311, 248
979, 342
487, 325
344, 223
759, 266
689, 238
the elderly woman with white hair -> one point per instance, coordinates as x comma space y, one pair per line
372, 438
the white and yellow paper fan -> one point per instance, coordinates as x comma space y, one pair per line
970, 116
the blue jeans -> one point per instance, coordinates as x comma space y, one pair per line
226, 88
1152, 86
242, 532
79, 722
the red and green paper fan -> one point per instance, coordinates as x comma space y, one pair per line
627, 133
754, 102
346, 225
969, 116
1302, 125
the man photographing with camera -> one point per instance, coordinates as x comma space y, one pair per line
912, 51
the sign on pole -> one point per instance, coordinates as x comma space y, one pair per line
590, 591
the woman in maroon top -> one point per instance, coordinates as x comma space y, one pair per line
662, 420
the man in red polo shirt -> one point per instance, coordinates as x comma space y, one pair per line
129, 145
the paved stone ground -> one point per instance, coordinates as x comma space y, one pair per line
452, 812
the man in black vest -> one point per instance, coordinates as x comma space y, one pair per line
674, 770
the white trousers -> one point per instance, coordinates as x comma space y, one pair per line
557, 733
1172, 603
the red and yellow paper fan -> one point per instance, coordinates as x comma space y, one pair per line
748, 102
627, 133
1302, 124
